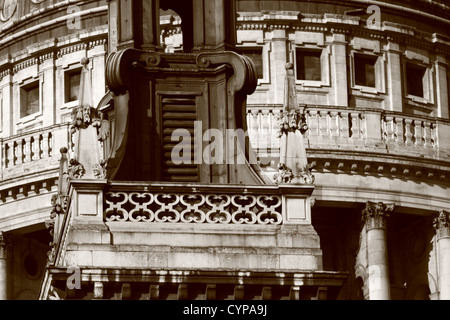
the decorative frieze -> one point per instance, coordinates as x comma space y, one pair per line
375, 215
442, 224
70, 49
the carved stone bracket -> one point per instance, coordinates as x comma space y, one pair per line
375, 215
99, 169
442, 224
284, 174
245, 77
76, 169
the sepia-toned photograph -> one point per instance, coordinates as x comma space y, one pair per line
240, 150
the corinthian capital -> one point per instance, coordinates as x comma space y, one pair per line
442, 224
375, 214
4, 245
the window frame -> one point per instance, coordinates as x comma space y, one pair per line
379, 72
427, 82
264, 56
66, 88
25, 86
325, 80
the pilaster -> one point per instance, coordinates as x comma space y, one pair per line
442, 88
394, 77
340, 79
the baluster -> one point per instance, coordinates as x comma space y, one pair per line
250, 127
343, 125
323, 123
275, 142
45, 144
334, 123
27, 149
427, 134
434, 143
256, 128
264, 133
399, 134
6, 155
313, 122
17, 152
362, 125
50, 142
408, 132
389, 129
36, 148
418, 134
354, 125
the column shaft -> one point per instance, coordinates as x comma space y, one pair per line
444, 268
379, 285
375, 216
442, 226
3, 267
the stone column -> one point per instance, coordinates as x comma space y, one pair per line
442, 226
4, 248
374, 216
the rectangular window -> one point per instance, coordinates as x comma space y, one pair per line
415, 76
308, 65
256, 55
365, 70
72, 85
29, 99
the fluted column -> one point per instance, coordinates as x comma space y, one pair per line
442, 226
4, 250
374, 216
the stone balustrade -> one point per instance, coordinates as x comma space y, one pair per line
33, 151
357, 129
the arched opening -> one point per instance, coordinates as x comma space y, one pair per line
176, 22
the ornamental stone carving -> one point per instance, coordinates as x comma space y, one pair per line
99, 169
284, 174
7, 10
76, 169
442, 225
293, 166
375, 215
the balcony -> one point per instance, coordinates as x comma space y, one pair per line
29, 172
350, 138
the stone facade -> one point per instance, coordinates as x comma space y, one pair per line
372, 85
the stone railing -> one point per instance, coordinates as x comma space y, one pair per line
410, 134
204, 204
357, 129
193, 208
33, 151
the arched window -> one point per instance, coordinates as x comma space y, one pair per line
176, 21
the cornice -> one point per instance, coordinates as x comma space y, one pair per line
378, 167
28, 190
11, 67
334, 23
